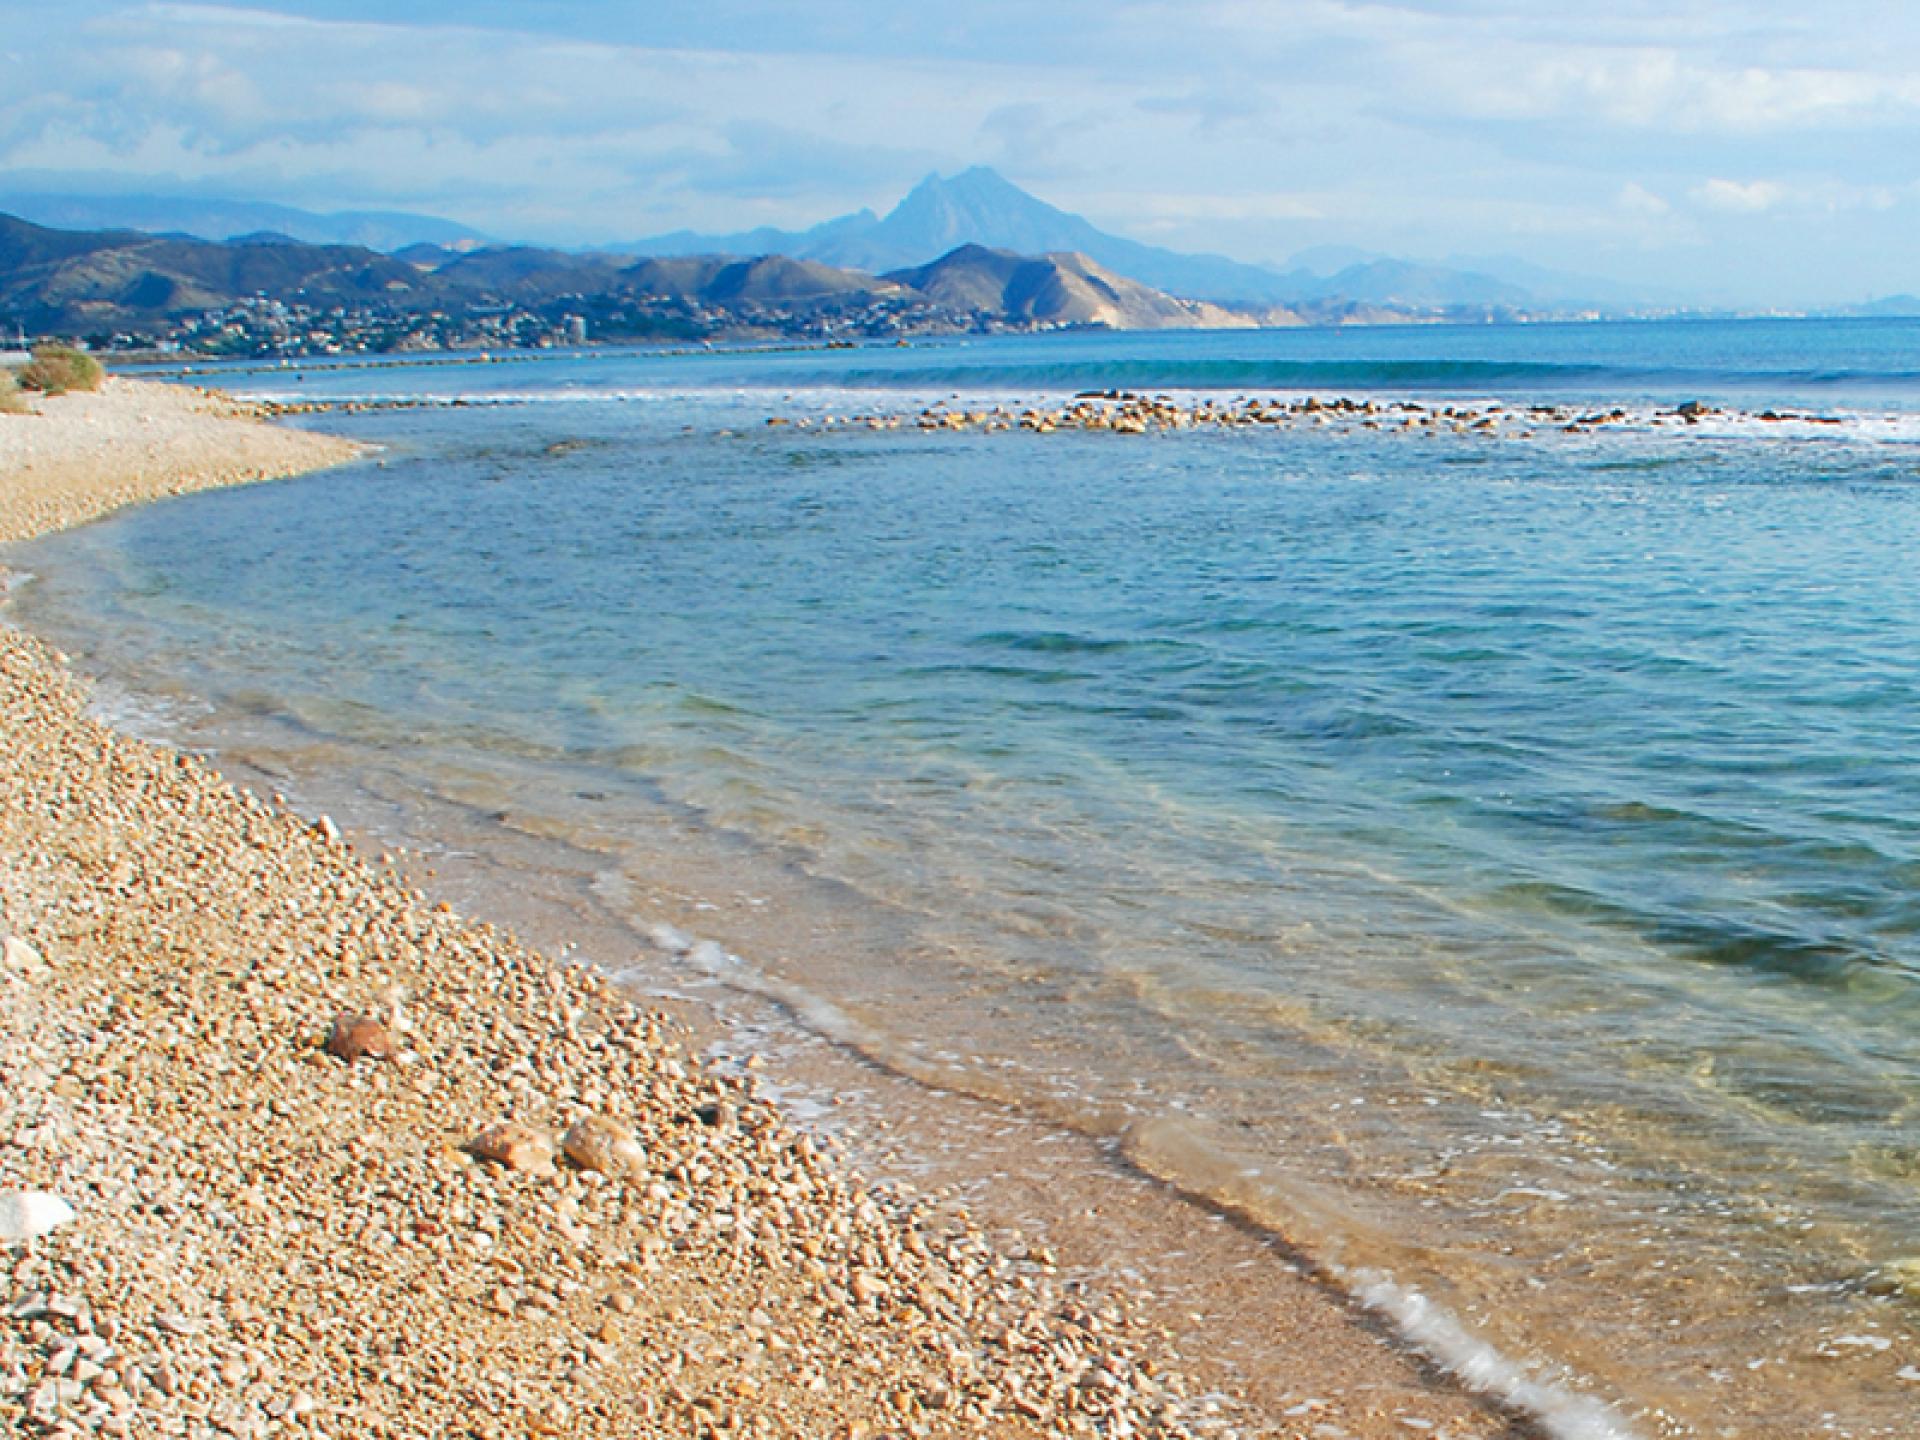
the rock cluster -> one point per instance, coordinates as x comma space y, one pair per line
1125, 413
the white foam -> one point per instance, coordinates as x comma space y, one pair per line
667, 938
461, 399
158, 719
1862, 1342
821, 1016
1560, 1412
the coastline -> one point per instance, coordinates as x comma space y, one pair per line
166, 1074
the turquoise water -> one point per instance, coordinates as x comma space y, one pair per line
1492, 862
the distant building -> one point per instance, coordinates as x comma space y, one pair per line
576, 329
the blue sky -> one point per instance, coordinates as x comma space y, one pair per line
1756, 153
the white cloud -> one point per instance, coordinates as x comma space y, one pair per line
1248, 126
1636, 199
1186, 208
1817, 195
1740, 197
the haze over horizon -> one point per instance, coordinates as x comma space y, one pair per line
1756, 155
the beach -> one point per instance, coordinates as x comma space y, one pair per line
267, 1070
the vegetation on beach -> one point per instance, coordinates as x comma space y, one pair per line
11, 402
56, 369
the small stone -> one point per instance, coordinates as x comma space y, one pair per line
21, 959
357, 1037
327, 830
516, 1146
597, 1143
624, 1302
29, 1214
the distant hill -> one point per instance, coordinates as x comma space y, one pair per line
1562, 290
1063, 289
1890, 307
57, 281
381, 230
519, 271
764, 280
1415, 287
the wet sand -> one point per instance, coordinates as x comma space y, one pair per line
272, 1238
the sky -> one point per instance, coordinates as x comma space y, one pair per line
1756, 153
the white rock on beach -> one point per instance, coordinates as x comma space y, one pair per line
20, 958
29, 1214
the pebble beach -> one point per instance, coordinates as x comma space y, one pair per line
341, 1161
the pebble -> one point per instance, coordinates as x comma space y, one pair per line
516, 1146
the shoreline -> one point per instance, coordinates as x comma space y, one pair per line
862, 1283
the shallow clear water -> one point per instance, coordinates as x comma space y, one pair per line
1494, 863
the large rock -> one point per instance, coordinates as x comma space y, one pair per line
516, 1146
597, 1143
359, 1037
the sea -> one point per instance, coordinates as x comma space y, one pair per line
1485, 857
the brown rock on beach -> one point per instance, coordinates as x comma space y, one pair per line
516, 1146
359, 1037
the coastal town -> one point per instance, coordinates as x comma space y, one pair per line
259, 327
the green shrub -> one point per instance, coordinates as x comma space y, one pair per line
55, 369
11, 402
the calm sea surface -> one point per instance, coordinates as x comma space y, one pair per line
1491, 861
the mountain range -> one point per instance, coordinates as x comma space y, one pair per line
284, 293
213, 219
974, 207
981, 207
940, 215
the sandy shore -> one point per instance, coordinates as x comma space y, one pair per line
271, 1238
84, 455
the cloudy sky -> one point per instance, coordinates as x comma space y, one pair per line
1747, 151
